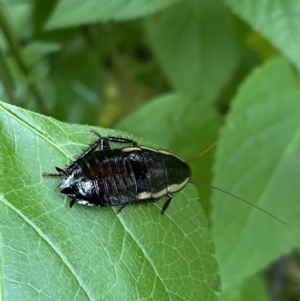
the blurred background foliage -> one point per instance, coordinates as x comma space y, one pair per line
100, 72
97, 63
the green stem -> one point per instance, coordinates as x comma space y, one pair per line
15, 49
7, 79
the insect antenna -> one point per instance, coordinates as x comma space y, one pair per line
226, 192
205, 151
241, 199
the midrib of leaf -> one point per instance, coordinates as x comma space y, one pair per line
50, 244
249, 213
175, 224
146, 255
185, 236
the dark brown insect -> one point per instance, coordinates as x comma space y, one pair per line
118, 177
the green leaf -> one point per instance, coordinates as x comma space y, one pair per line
75, 12
36, 51
254, 289
78, 86
184, 125
258, 159
51, 252
18, 15
277, 20
195, 42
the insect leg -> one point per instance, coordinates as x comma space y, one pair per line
122, 140
72, 203
116, 139
167, 203
121, 208
102, 143
60, 173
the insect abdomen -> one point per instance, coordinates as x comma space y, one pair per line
108, 173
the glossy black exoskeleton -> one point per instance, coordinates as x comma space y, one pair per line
128, 175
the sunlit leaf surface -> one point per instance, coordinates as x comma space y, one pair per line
76, 12
276, 20
258, 159
51, 252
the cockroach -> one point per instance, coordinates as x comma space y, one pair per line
129, 175
118, 177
